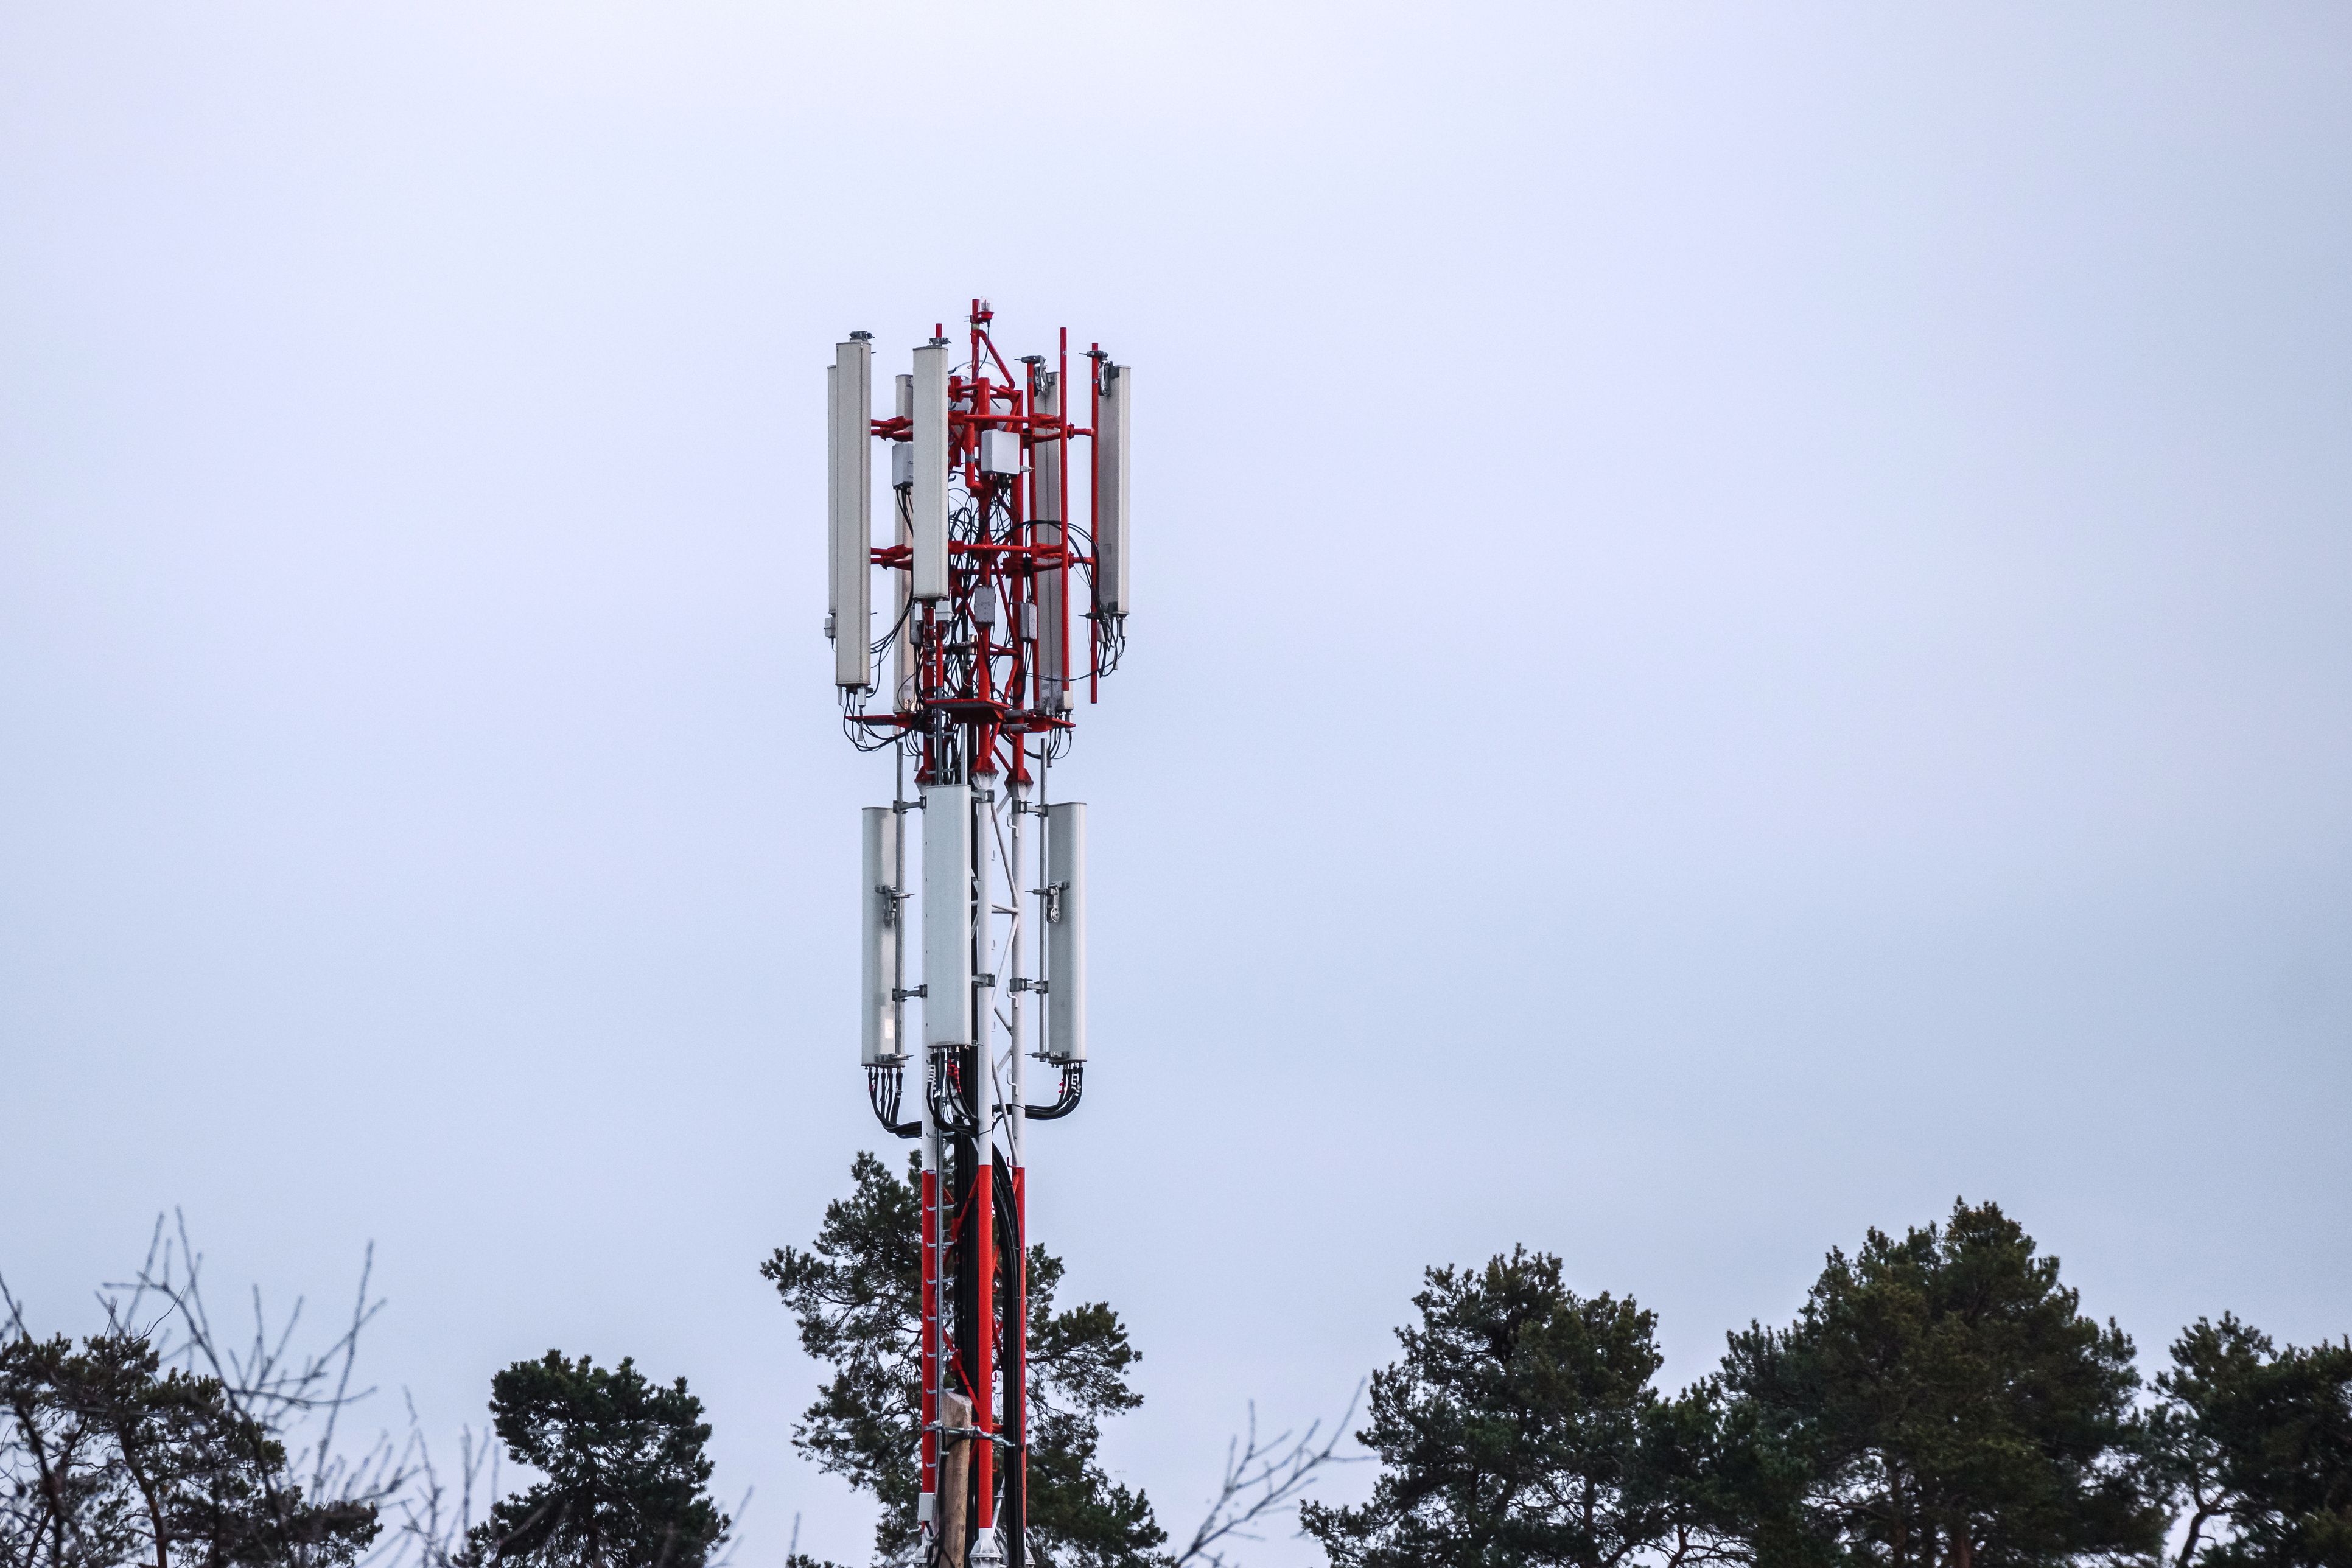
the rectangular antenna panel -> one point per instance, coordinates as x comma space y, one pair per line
878, 945
1046, 506
947, 915
831, 499
902, 647
1110, 488
928, 496
849, 405
1065, 930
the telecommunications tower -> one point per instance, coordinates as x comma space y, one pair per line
1000, 605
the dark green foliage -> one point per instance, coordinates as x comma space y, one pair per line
1940, 1400
2258, 1442
626, 1476
1520, 1429
854, 1295
107, 1460
1697, 1471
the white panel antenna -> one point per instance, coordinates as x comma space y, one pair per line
850, 404
902, 482
880, 969
832, 499
1111, 595
1063, 896
927, 498
1045, 488
947, 915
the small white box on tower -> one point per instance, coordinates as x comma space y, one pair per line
1000, 452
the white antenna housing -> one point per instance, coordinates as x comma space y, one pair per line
848, 406
928, 496
1065, 930
1110, 488
879, 938
947, 915
1045, 488
832, 499
902, 647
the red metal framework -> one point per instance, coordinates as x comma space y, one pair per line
979, 661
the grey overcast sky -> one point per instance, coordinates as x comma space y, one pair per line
1745, 625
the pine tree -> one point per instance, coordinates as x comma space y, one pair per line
2259, 1443
626, 1476
1939, 1401
1519, 1430
854, 1295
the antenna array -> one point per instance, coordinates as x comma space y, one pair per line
988, 578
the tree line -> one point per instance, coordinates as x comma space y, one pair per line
1939, 1401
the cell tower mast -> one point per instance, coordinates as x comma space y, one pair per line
1000, 605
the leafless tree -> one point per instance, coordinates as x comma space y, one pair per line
305, 1395
300, 1393
437, 1512
1265, 1477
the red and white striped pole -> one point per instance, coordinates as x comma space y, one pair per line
980, 1206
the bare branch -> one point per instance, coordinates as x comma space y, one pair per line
1262, 1477
434, 1524
287, 1389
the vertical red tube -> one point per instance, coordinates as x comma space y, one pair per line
983, 1374
1016, 1339
931, 1333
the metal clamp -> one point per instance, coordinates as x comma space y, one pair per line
944, 1430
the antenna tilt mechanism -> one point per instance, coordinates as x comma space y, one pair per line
1001, 601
